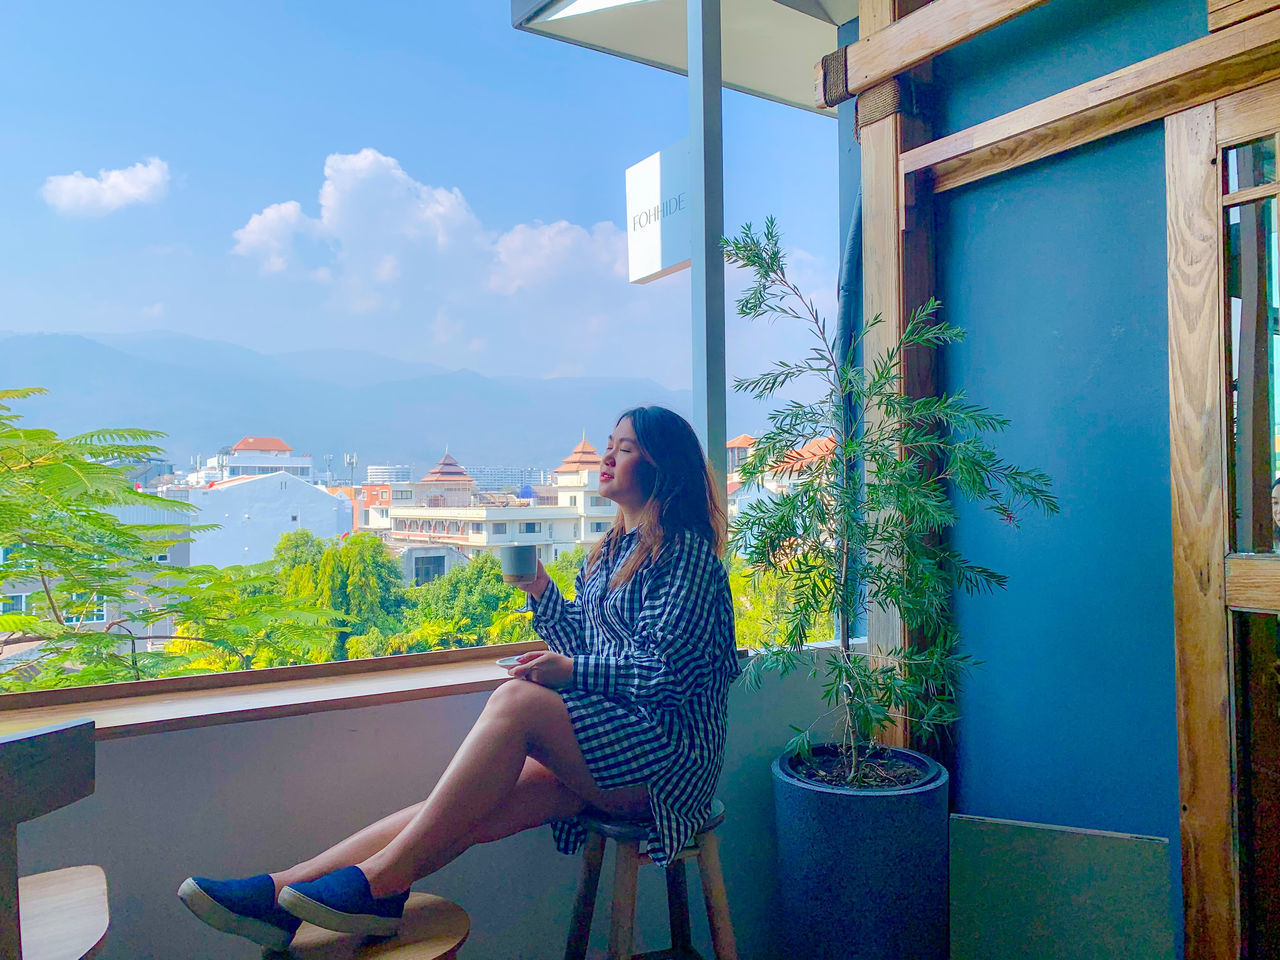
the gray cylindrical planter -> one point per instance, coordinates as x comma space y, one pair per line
863, 872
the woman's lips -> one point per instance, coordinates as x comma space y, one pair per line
606, 476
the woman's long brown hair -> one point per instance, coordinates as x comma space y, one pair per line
682, 492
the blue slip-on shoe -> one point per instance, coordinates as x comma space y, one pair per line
244, 907
341, 901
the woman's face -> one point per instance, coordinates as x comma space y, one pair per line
619, 469
1275, 506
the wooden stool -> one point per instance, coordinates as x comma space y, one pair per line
60, 914
433, 929
628, 835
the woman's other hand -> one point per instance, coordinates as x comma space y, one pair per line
553, 670
538, 584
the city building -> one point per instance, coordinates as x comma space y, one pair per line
252, 457
501, 478
387, 473
253, 512
449, 520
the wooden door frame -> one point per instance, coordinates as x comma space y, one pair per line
1208, 582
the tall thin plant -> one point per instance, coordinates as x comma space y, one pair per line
858, 494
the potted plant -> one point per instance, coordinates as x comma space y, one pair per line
861, 483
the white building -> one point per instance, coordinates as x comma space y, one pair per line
253, 512
452, 520
252, 457
387, 473
497, 478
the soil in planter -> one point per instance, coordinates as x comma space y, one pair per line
880, 769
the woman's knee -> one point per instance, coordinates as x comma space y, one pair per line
522, 700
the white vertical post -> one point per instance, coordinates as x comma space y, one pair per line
706, 170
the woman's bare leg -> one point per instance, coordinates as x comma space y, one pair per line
537, 796
522, 719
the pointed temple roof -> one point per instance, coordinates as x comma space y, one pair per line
584, 457
448, 470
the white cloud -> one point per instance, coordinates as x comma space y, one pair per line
77, 195
155, 310
415, 263
269, 235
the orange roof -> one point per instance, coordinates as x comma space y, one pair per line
745, 440
272, 444
584, 457
807, 453
733, 487
448, 470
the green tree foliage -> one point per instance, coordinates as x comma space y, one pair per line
95, 582
473, 591
842, 538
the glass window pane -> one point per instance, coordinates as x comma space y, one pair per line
1249, 164
1253, 312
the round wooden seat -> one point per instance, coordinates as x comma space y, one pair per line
64, 913
615, 828
433, 929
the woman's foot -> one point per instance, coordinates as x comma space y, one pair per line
341, 901
244, 907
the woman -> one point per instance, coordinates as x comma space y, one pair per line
624, 713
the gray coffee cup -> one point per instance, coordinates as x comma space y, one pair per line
519, 562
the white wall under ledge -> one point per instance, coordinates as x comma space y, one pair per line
245, 798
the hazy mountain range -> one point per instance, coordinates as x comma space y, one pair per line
207, 394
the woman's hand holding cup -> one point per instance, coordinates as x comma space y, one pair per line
538, 584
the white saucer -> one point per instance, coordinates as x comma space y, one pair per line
508, 661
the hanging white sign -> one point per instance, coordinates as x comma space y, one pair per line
659, 214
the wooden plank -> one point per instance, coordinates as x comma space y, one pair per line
64, 913
882, 287
1203, 655
884, 52
1252, 193
896, 265
264, 675
1223, 63
1219, 4
136, 715
1253, 581
44, 769
1248, 114
1225, 16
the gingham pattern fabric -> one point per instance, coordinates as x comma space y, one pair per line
652, 665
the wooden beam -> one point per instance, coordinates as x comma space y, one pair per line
1253, 581
1248, 114
1223, 63
1203, 656
905, 43
897, 270
1224, 15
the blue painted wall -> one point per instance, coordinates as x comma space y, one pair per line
1057, 272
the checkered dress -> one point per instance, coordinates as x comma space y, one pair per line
652, 664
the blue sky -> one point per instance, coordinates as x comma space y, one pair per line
473, 176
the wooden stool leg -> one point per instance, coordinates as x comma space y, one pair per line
722, 940
623, 916
584, 905
678, 908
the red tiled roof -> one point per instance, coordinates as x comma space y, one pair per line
733, 487
745, 440
583, 457
272, 444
